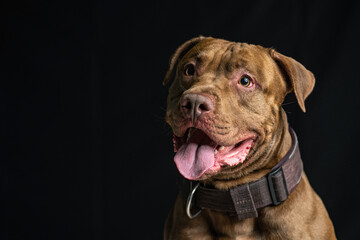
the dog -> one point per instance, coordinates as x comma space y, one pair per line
233, 144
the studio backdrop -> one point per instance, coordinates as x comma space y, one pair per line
85, 151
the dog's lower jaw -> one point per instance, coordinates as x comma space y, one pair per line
266, 156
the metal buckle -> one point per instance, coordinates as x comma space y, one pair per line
271, 185
189, 201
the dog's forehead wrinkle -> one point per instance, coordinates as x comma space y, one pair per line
203, 56
240, 60
197, 53
209, 55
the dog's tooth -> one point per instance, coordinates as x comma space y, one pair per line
221, 148
215, 151
188, 135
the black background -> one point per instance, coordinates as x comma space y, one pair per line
85, 151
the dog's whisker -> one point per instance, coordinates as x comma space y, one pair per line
288, 103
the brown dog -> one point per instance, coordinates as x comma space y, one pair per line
230, 130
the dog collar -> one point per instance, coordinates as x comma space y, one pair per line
244, 200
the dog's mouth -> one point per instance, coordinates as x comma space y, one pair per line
197, 154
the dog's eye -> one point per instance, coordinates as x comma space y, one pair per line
245, 81
189, 70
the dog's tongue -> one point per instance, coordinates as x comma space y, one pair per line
195, 156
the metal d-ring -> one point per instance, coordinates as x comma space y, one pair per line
189, 201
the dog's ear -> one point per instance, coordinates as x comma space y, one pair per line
179, 53
300, 80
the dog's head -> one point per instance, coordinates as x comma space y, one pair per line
224, 103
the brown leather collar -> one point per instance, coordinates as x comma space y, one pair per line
244, 200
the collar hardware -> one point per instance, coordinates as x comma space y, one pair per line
189, 200
274, 196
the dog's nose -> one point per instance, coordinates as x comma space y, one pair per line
195, 105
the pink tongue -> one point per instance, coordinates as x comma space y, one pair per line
195, 156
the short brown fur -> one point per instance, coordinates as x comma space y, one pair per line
238, 112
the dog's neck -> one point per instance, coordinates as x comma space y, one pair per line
282, 137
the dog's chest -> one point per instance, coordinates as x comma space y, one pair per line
224, 226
